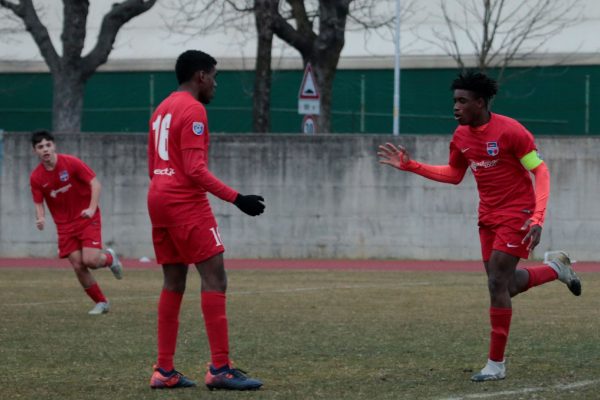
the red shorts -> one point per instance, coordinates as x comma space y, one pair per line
187, 244
88, 235
505, 237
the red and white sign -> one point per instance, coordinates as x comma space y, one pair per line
309, 98
309, 125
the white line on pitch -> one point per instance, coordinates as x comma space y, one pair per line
237, 293
567, 386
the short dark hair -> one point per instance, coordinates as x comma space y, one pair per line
191, 61
476, 82
38, 136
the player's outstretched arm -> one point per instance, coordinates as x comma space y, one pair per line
250, 204
399, 158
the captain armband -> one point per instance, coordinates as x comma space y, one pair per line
531, 160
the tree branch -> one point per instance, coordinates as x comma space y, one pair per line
286, 32
111, 23
26, 12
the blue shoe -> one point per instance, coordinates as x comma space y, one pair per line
230, 379
169, 380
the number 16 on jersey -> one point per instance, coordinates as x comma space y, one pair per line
161, 135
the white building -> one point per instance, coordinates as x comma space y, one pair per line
146, 41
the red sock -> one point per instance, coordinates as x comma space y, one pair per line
95, 293
215, 320
109, 259
500, 321
540, 275
169, 305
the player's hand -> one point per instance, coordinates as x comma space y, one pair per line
533, 236
397, 157
250, 204
88, 213
40, 222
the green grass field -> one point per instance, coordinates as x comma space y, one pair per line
308, 334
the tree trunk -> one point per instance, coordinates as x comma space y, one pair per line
67, 102
325, 56
261, 118
324, 66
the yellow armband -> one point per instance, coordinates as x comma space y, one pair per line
531, 160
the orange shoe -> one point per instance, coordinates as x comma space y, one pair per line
169, 380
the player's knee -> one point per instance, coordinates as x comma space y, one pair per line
497, 284
178, 287
214, 283
90, 262
78, 266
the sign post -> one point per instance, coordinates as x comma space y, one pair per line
309, 101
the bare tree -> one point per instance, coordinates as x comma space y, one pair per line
501, 32
71, 71
315, 28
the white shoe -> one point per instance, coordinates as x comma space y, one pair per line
116, 267
100, 308
562, 265
493, 371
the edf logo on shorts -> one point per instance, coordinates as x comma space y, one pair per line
63, 176
492, 148
198, 128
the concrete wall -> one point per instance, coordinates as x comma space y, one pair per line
326, 196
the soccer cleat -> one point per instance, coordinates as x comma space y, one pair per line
562, 265
100, 308
169, 380
116, 267
230, 379
493, 371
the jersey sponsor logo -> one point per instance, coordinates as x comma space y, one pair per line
63, 189
465, 149
63, 176
475, 165
198, 128
166, 171
493, 149
44, 185
512, 245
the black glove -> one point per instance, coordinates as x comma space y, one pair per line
250, 204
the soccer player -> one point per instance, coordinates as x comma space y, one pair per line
72, 192
184, 230
502, 156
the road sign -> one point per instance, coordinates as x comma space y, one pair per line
309, 124
309, 98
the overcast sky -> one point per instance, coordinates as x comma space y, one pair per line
148, 37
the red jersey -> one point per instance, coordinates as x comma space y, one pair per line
66, 190
178, 163
493, 154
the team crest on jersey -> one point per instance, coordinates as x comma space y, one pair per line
493, 149
198, 128
63, 176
